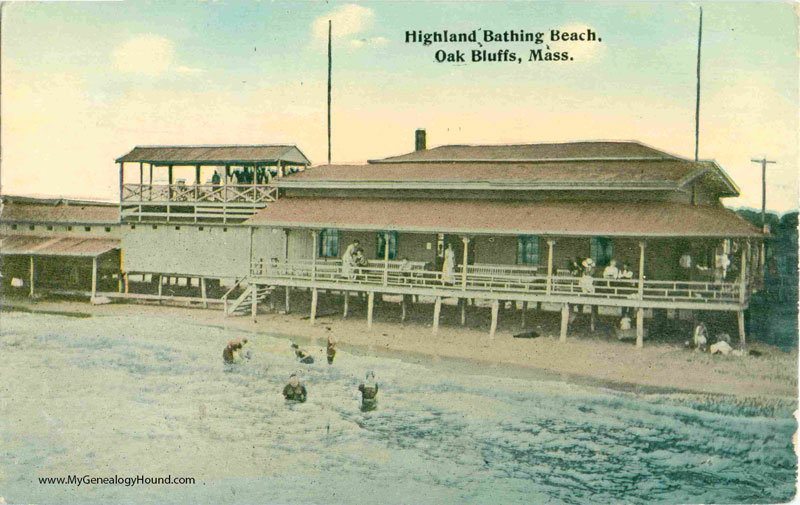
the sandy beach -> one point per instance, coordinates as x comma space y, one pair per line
585, 358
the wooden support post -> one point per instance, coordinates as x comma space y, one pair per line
437, 310
640, 327
32, 276
404, 308
197, 183
370, 306
463, 303
743, 276
742, 336
642, 247
465, 240
495, 314
203, 291
314, 294
564, 322
524, 311
314, 234
593, 318
286, 305
125, 277
254, 301
141, 178
386, 241
94, 276
550, 244
160, 287
346, 304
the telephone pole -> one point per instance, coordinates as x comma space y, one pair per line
697, 102
763, 162
330, 70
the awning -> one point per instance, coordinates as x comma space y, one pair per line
576, 218
56, 246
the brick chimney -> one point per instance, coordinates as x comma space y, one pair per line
419, 140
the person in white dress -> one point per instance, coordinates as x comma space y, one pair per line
349, 260
449, 266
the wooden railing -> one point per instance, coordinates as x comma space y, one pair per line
496, 279
209, 193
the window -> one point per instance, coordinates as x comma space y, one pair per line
13, 227
602, 250
528, 250
329, 243
87, 228
381, 244
108, 229
177, 228
155, 226
31, 227
50, 227
69, 228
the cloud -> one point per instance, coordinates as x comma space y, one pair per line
147, 54
189, 70
371, 42
348, 20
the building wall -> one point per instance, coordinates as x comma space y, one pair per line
500, 250
44, 229
194, 250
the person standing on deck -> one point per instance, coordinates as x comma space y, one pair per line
449, 265
295, 391
626, 274
349, 261
369, 393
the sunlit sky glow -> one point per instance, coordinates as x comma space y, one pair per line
84, 82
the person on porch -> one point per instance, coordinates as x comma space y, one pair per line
360, 262
587, 281
348, 260
215, 179
449, 265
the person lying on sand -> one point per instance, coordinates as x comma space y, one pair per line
230, 353
303, 356
369, 393
295, 391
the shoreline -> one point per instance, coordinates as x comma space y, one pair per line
463, 349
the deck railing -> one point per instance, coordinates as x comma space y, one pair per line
499, 279
208, 193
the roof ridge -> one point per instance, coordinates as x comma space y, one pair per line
194, 146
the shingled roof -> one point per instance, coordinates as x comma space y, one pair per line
587, 150
215, 154
58, 210
664, 173
579, 218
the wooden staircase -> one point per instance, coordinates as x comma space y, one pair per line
243, 305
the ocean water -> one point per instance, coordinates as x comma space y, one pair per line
138, 395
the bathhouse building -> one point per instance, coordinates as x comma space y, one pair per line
241, 225
515, 217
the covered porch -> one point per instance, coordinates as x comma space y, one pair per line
529, 268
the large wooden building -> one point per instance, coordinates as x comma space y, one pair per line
515, 218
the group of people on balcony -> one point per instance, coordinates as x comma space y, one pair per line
244, 176
353, 260
586, 268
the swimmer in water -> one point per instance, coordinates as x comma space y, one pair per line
303, 356
295, 391
229, 353
369, 393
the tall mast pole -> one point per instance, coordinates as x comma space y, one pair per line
697, 105
330, 62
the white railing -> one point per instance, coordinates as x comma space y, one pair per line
497, 279
210, 193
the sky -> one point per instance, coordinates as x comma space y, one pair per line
85, 82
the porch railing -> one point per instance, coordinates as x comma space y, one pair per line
209, 193
498, 279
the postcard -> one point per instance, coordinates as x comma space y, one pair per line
398, 252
